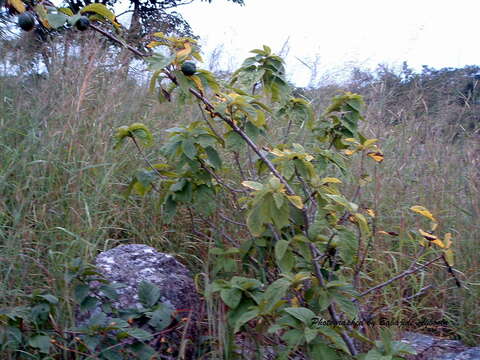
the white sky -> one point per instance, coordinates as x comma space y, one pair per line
437, 33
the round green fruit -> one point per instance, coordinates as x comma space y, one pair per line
82, 23
189, 68
26, 21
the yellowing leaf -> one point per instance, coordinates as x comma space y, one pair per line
296, 201
331, 180
17, 5
153, 44
362, 222
432, 238
66, 11
439, 243
370, 212
277, 152
353, 140
448, 254
349, 152
103, 11
391, 233
369, 142
252, 185
198, 83
376, 155
426, 235
183, 54
448, 240
42, 15
423, 211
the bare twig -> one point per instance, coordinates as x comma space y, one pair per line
409, 271
118, 41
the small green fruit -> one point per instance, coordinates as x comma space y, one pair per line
82, 23
26, 21
188, 68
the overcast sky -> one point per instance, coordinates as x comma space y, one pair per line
437, 33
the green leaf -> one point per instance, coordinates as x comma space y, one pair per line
185, 195
346, 305
293, 337
111, 354
231, 297
109, 291
339, 199
143, 351
374, 354
91, 341
88, 303
184, 82
275, 292
57, 20
321, 351
148, 294
310, 334
401, 348
101, 10
189, 148
234, 141
244, 283
121, 134
146, 177
97, 320
347, 246
213, 157
139, 334
12, 335
141, 132
204, 200
161, 317
40, 313
280, 248
169, 207
80, 292
334, 338
40, 342
244, 318
159, 61
287, 262
255, 222
279, 199
300, 313
50, 298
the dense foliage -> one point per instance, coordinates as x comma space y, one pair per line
281, 216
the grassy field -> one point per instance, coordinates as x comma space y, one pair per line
61, 187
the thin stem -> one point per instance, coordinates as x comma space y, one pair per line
144, 156
411, 270
118, 41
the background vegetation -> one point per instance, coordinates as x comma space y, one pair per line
61, 183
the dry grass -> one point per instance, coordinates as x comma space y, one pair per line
61, 183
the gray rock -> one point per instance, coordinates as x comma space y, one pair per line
130, 265
433, 348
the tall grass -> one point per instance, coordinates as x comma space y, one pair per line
61, 187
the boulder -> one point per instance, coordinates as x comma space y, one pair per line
132, 264
434, 348
127, 266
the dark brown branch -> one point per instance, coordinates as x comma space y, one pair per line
118, 41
